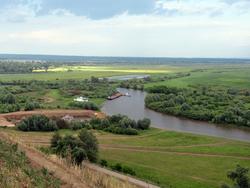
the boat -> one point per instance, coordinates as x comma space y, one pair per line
115, 96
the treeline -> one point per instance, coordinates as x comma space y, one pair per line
219, 106
91, 88
84, 105
10, 102
13, 67
138, 84
117, 124
120, 124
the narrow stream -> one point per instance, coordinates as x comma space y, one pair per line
134, 108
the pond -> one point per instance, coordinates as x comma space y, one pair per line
133, 107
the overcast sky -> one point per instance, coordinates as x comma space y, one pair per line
168, 28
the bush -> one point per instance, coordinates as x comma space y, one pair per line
117, 167
31, 106
239, 177
103, 162
79, 148
37, 123
84, 105
143, 124
76, 125
125, 169
62, 124
90, 144
78, 155
128, 170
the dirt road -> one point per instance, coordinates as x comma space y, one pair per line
40, 160
70, 177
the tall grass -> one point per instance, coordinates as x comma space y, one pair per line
91, 177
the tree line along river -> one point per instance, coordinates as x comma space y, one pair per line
134, 108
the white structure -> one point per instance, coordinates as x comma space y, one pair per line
81, 99
68, 118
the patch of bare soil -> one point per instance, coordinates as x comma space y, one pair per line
5, 123
8, 118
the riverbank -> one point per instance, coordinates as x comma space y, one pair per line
124, 105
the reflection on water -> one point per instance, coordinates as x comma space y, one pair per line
128, 77
134, 108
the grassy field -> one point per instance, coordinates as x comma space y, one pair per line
58, 75
121, 69
219, 77
166, 158
83, 72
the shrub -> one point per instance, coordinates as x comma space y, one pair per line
90, 144
79, 148
127, 123
61, 123
78, 155
128, 170
240, 178
37, 123
31, 106
84, 105
103, 162
117, 167
144, 123
125, 169
76, 125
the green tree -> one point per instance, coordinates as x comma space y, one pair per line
144, 123
239, 177
89, 144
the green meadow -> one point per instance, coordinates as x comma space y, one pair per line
218, 77
172, 159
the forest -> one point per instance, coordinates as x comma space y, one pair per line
221, 106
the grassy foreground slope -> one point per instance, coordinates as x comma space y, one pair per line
166, 158
16, 171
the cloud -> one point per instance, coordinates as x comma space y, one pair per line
61, 31
20, 11
209, 8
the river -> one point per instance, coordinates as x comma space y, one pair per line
134, 108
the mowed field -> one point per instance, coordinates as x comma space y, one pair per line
166, 158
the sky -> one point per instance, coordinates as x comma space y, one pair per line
145, 28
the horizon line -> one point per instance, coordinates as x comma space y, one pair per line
105, 56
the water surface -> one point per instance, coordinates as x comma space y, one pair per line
134, 108
128, 77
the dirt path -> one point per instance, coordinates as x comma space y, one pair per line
172, 152
70, 178
40, 160
122, 177
164, 147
